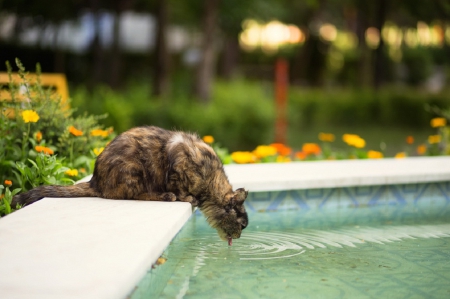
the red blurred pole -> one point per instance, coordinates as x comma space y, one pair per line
281, 86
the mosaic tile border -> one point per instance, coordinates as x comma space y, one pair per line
421, 194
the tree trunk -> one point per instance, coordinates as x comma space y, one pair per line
162, 62
205, 71
379, 52
230, 56
116, 55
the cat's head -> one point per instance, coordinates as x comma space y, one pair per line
228, 216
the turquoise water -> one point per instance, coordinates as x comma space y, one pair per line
387, 251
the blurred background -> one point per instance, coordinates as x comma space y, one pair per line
375, 68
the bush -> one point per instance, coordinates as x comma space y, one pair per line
42, 143
240, 114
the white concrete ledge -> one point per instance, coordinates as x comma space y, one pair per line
340, 173
84, 247
97, 248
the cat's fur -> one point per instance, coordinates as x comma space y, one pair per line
150, 163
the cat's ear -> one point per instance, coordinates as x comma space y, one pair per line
240, 195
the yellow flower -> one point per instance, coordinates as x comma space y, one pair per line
354, 140
432, 139
262, 151
311, 149
38, 136
30, 116
44, 149
98, 150
421, 149
374, 155
282, 159
243, 157
8, 182
98, 132
326, 137
438, 122
400, 155
208, 139
74, 131
72, 172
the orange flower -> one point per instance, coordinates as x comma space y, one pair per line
410, 140
208, 139
74, 131
282, 149
38, 136
300, 155
374, 155
98, 132
44, 149
8, 182
326, 137
311, 149
438, 122
421, 149
243, 157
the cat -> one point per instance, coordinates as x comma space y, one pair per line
154, 164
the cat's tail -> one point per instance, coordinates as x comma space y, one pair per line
78, 190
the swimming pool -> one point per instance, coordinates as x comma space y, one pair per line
352, 242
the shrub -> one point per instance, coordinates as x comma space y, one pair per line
42, 142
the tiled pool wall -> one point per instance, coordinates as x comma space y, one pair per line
417, 195
404, 194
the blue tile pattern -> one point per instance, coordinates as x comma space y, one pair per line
404, 194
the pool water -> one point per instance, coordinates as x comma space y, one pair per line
385, 251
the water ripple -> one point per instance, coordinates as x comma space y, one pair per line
275, 245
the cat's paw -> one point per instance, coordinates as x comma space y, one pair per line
192, 200
169, 196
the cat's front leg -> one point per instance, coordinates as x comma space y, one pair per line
191, 199
165, 196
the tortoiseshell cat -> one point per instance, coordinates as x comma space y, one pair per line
150, 163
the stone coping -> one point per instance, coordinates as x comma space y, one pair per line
97, 248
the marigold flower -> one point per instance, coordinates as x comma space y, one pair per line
283, 159
311, 149
30, 116
71, 172
74, 131
38, 136
98, 150
326, 137
438, 122
374, 155
98, 132
44, 150
208, 139
422, 149
432, 139
282, 149
400, 155
410, 140
243, 157
8, 182
300, 155
262, 151
354, 140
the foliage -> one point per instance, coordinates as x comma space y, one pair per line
6, 196
43, 142
240, 114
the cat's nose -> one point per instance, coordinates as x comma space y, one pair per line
244, 225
